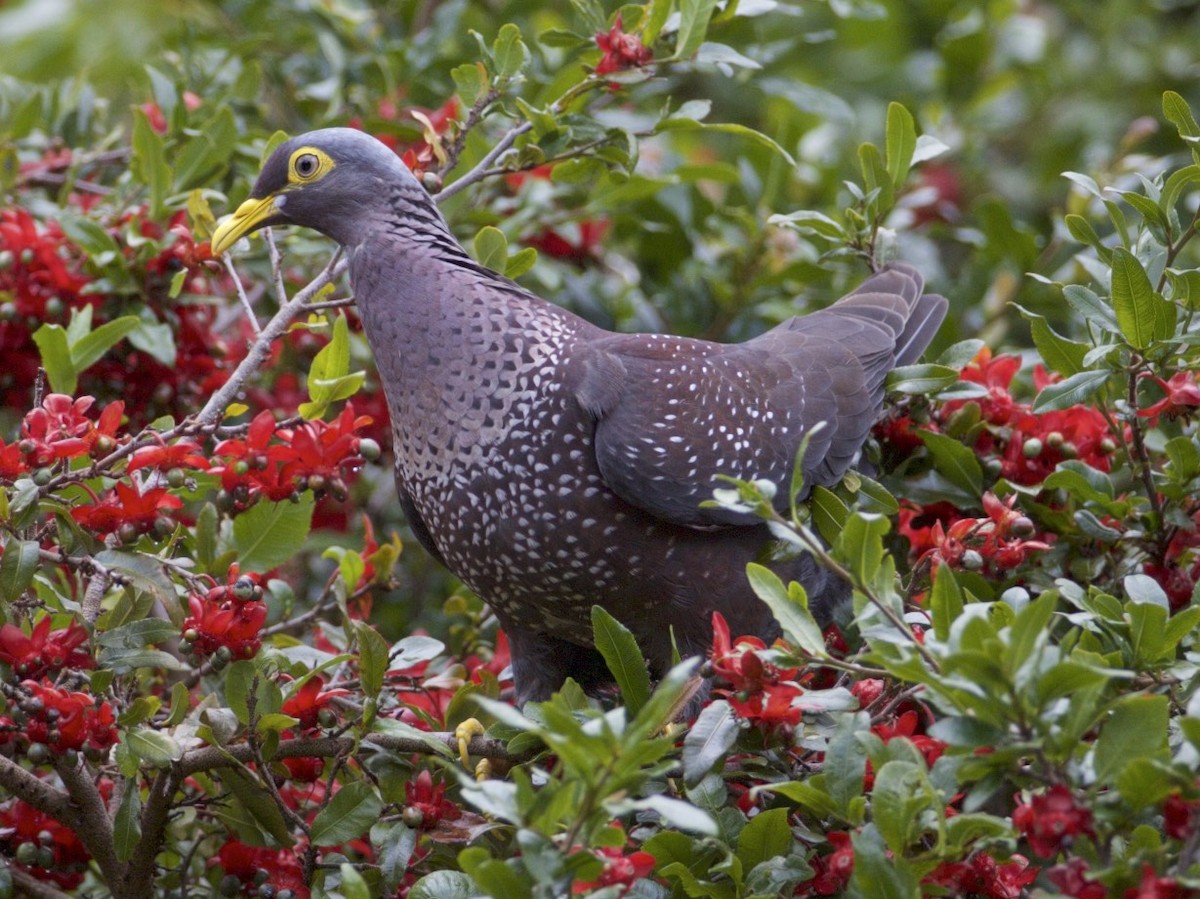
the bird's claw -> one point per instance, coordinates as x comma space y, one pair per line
483, 769
462, 734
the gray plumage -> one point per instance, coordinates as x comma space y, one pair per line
552, 465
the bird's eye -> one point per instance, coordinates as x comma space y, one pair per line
306, 165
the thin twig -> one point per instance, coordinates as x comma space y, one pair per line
214, 409
241, 293
276, 266
482, 169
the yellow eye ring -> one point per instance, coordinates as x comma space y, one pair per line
308, 164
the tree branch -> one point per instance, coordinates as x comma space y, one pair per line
214, 409
34, 791
94, 827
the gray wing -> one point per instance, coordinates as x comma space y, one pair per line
673, 413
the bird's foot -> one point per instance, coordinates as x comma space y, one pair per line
469, 728
483, 769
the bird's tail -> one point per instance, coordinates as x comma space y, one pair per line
893, 298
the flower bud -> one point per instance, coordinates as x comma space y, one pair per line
176, 478
27, 854
42, 476
103, 445
127, 533
1023, 526
1108, 445
244, 589
1054, 439
412, 817
38, 753
369, 449
1032, 448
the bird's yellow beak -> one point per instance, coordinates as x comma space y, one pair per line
246, 218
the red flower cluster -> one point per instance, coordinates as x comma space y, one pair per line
44, 652
907, 726
1051, 820
426, 804
51, 850
39, 275
1071, 880
1181, 817
60, 719
283, 867
1154, 887
621, 51
982, 876
317, 455
60, 429
833, 869
1000, 540
128, 508
758, 690
619, 870
228, 617
1028, 444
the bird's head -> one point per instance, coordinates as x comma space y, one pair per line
338, 181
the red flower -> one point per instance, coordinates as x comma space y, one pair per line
59, 429
579, 243
1070, 879
44, 652
181, 454
618, 869
621, 50
231, 616
284, 867
429, 801
1180, 816
307, 702
758, 690
1051, 820
1182, 397
868, 690
832, 870
61, 719
68, 859
126, 505
981, 876
1155, 887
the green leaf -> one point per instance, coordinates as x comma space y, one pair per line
767, 835
861, 545
694, 16
790, 610
679, 814
152, 747
520, 262
623, 657
509, 52
268, 534
329, 378
680, 121
959, 464
901, 141
1179, 114
156, 339
353, 884
921, 379
945, 601
1060, 354
491, 248
372, 658
709, 740
127, 825
444, 885
875, 176
1133, 299
258, 804
52, 344
1072, 391
471, 82
349, 815
1090, 307
1135, 729
86, 351
877, 873
897, 798
145, 573
18, 565
828, 511
149, 162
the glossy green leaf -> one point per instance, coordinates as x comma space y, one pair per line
268, 534
623, 657
708, 740
694, 16
349, 815
18, 565
900, 141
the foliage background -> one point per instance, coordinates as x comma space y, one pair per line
673, 236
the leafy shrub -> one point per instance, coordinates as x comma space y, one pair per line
197, 696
